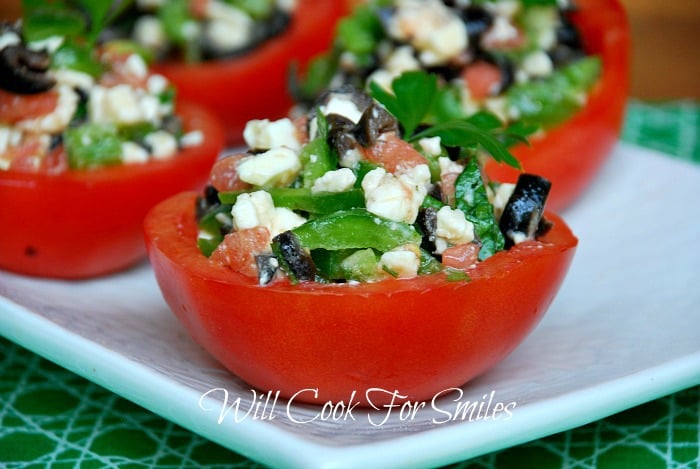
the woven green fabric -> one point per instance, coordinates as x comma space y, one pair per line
50, 417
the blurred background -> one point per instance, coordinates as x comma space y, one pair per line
665, 38
665, 57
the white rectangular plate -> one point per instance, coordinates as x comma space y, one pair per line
624, 329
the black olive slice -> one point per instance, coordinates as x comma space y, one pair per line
523, 213
267, 267
298, 261
427, 223
23, 71
375, 121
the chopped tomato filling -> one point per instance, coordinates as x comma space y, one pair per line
393, 153
18, 107
239, 248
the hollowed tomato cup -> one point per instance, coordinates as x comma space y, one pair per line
571, 154
80, 224
255, 84
319, 342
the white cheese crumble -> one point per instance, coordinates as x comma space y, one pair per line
228, 27
537, 64
163, 144
452, 229
431, 146
9, 38
265, 134
149, 31
9, 137
56, 120
49, 44
339, 180
276, 167
447, 166
403, 261
500, 197
133, 153
136, 66
394, 197
342, 105
438, 34
123, 105
192, 139
74, 79
257, 209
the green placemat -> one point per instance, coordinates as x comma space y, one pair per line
50, 417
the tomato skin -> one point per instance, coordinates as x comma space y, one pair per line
254, 85
571, 154
417, 336
80, 224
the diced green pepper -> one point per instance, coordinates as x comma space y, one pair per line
556, 98
304, 200
428, 264
211, 228
92, 145
361, 265
355, 229
77, 57
317, 159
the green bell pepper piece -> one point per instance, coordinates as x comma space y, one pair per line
355, 229
300, 198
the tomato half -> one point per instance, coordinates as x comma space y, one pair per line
571, 154
254, 85
417, 336
79, 224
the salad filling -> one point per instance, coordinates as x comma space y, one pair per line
522, 60
351, 193
68, 102
197, 30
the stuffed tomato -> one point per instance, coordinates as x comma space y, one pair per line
90, 140
337, 256
555, 71
232, 56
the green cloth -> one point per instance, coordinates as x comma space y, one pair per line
50, 417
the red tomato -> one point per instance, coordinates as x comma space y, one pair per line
393, 153
254, 86
16, 107
417, 336
79, 224
482, 79
571, 154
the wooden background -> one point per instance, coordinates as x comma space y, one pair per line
665, 48
665, 55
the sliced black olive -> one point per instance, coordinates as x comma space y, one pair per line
23, 71
567, 34
55, 141
477, 20
299, 262
523, 213
267, 267
427, 223
375, 121
207, 201
358, 97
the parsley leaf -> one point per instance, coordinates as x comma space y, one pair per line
472, 200
464, 133
412, 100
